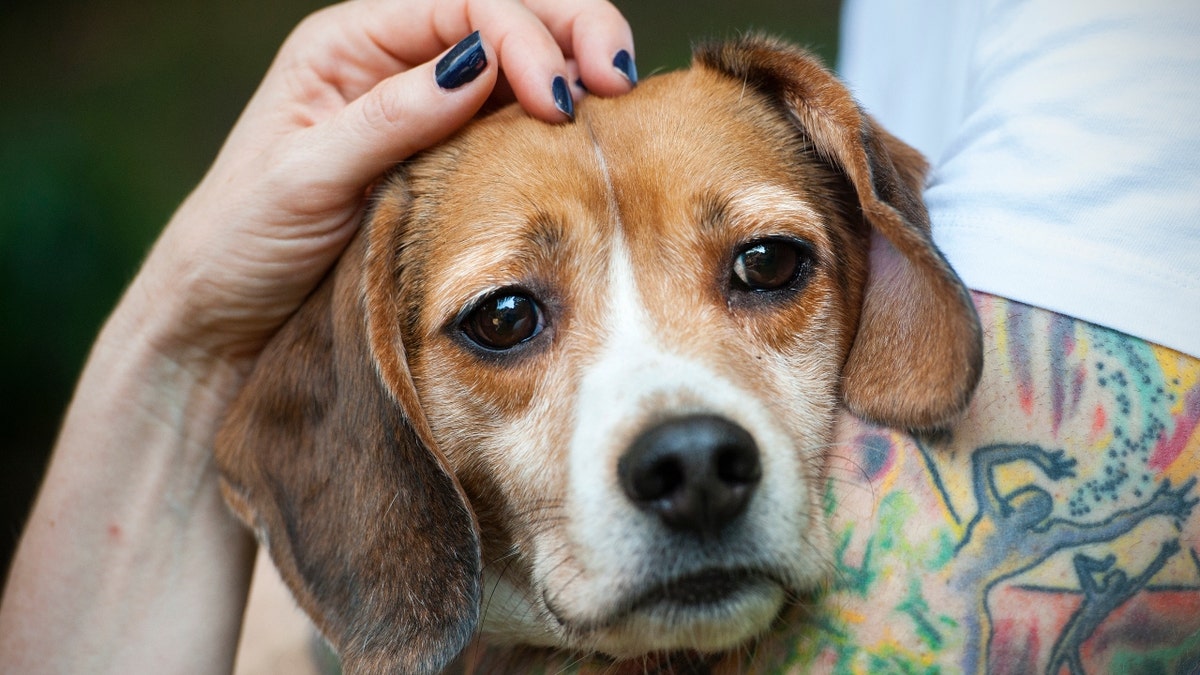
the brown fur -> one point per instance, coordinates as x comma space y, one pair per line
382, 461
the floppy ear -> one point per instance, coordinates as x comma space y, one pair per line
326, 456
918, 352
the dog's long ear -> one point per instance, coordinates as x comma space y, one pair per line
918, 354
326, 457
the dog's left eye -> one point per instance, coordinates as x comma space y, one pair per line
771, 264
503, 320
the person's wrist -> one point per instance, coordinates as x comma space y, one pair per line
153, 335
211, 292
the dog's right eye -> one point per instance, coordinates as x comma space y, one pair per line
503, 320
772, 264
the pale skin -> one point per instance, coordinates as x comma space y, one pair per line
130, 561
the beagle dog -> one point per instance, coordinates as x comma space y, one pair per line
574, 386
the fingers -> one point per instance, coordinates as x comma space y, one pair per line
354, 45
356, 85
403, 114
530, 58
597, 36
534, 46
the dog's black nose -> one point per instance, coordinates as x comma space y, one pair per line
695, 473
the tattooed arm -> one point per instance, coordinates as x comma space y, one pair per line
1099, 426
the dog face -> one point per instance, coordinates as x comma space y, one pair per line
578, 300
589, 372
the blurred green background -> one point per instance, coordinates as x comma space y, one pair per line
111, 111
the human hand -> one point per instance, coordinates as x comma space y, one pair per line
351, 92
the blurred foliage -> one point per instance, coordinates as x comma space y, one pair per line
112, 110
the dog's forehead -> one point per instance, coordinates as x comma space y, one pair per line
690, 131
675, 135
511, 193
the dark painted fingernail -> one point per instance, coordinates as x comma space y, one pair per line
462, 64
582, 87
623, 62
562, 97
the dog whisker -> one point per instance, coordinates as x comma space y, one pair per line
512, 552
573, 663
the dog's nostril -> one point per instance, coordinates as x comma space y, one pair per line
695, 473
736, 466
659, 480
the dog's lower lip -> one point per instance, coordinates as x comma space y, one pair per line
708, 587
710, 593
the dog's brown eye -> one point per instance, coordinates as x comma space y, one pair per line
503, 321
771, 264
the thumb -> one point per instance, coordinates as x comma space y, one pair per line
406, 113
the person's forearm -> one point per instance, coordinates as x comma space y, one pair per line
144, 555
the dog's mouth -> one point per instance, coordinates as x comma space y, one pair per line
711, 597
708, 589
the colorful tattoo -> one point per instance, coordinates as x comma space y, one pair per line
1053, 530
1068, 496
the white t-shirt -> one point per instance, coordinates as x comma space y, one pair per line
1065, 140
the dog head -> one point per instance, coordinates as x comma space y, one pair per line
575, 384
